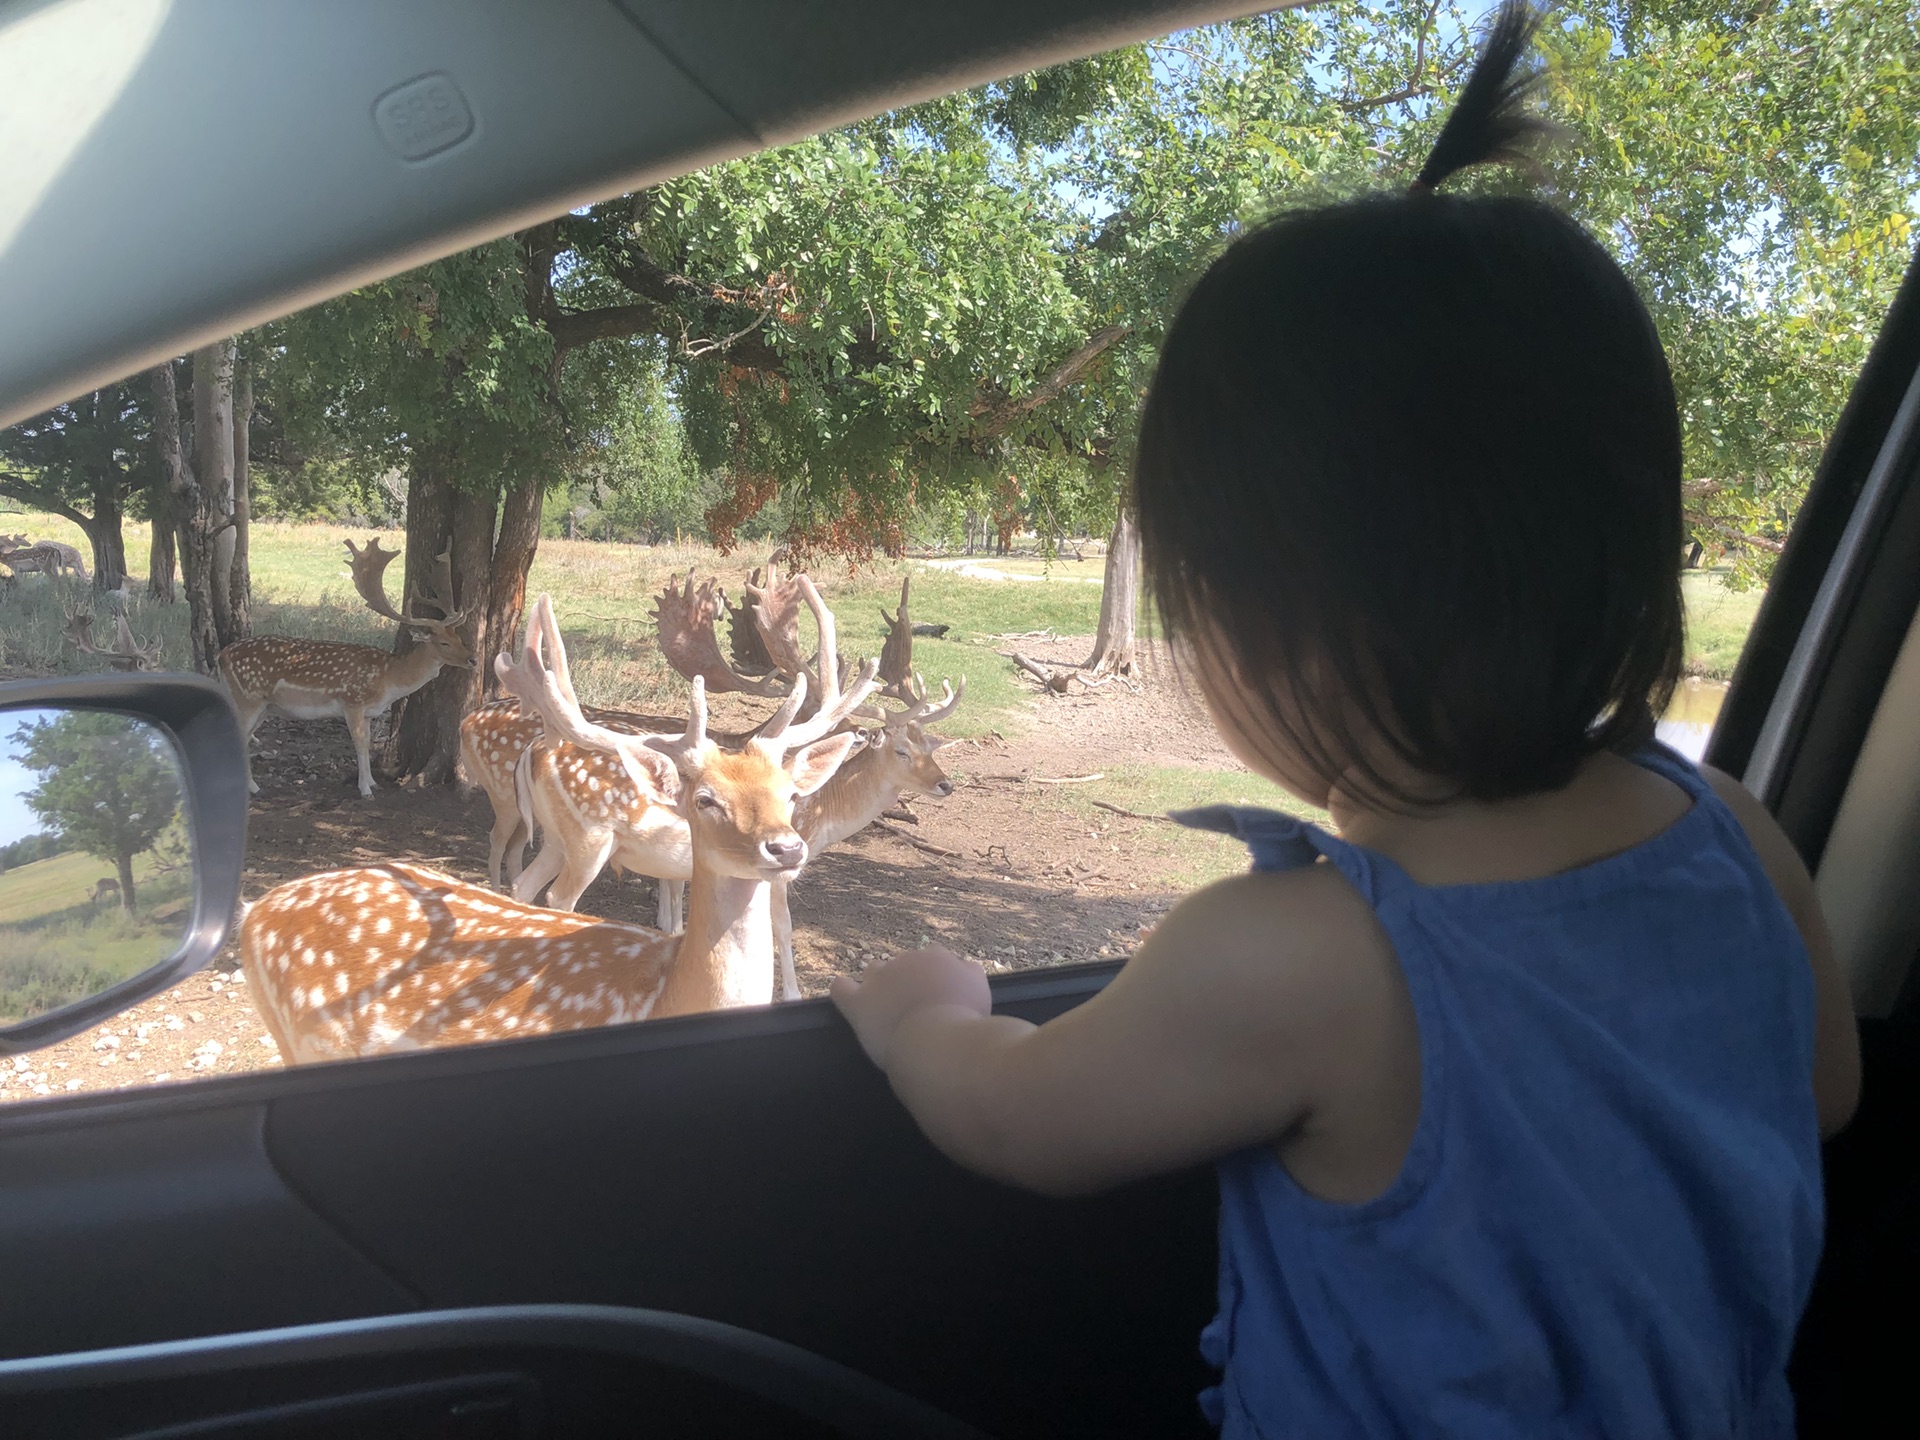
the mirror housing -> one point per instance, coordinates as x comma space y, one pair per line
198, 717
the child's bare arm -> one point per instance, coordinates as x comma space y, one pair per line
1250, 999
1836, 1041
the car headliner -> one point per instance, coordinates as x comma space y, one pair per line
173, 171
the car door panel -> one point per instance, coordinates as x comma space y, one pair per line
117, 1230
749, 1167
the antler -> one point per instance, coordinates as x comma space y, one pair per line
780, 734
369, 566
79, 633
685, 619
749, 650
436, 591
126, 654
543, 682
896, 655
776, 614
144, 657
922, 711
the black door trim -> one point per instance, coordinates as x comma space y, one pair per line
754, 1364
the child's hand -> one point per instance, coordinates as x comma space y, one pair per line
876, 1006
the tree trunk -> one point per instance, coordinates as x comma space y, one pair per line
425, 737
160, 551
239, 571
213, 465
1119, 600
513, 555
193, 523
123, 862
105, 534
1694, 554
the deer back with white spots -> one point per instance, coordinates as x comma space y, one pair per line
319, 679
359, 962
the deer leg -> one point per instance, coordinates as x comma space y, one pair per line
672, 912
502, 857
783, 942
545, 868
249, 715
516, 850
358, 728
580, 869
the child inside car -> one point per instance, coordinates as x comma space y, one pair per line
1515, 1080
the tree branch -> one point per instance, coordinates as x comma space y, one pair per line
20, 488
995, 418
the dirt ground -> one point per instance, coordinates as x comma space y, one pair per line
1006, 869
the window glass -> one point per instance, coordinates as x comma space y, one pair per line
903, 357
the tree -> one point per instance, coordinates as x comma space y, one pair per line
195, 521
81, 461
108, 785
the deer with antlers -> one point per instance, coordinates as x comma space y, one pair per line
395, 957
124, 654
494, 737
591, 812
898, 758
319, 679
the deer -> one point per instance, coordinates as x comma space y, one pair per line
102, 889
125, 654
319, 679
495, 735
899, 756
49, 557
590, 812
398, 957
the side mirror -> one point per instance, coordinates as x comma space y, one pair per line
123, 816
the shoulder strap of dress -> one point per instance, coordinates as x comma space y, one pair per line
1670, 764
1284, 842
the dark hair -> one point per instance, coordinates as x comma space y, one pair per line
1411, 464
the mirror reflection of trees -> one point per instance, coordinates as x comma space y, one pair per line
103, 889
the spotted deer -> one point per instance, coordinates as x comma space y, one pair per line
494, 736
898, 757
319, 679
591, 813
397, 957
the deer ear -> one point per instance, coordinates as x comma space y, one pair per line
813, 765
644, 763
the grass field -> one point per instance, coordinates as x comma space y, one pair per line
604, 596
58, 946
60, 882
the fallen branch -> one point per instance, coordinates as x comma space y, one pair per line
1046, 634
1055, 681
917, 842
1135, 814
1069, 779
900, 814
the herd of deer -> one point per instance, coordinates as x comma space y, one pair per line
21, 556
393, 957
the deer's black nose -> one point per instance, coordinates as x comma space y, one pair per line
787, 854
945, 787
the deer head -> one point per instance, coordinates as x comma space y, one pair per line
738, 804
442, 634
912, 745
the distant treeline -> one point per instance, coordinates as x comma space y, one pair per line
29, 848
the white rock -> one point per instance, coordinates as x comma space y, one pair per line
74, 1084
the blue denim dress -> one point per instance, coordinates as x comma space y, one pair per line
1609, 1218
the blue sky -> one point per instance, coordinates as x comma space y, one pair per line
15, 779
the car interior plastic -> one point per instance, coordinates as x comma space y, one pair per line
266, 149
560, 1370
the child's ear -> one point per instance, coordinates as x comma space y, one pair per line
813, 765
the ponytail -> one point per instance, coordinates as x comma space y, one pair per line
1491, 123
